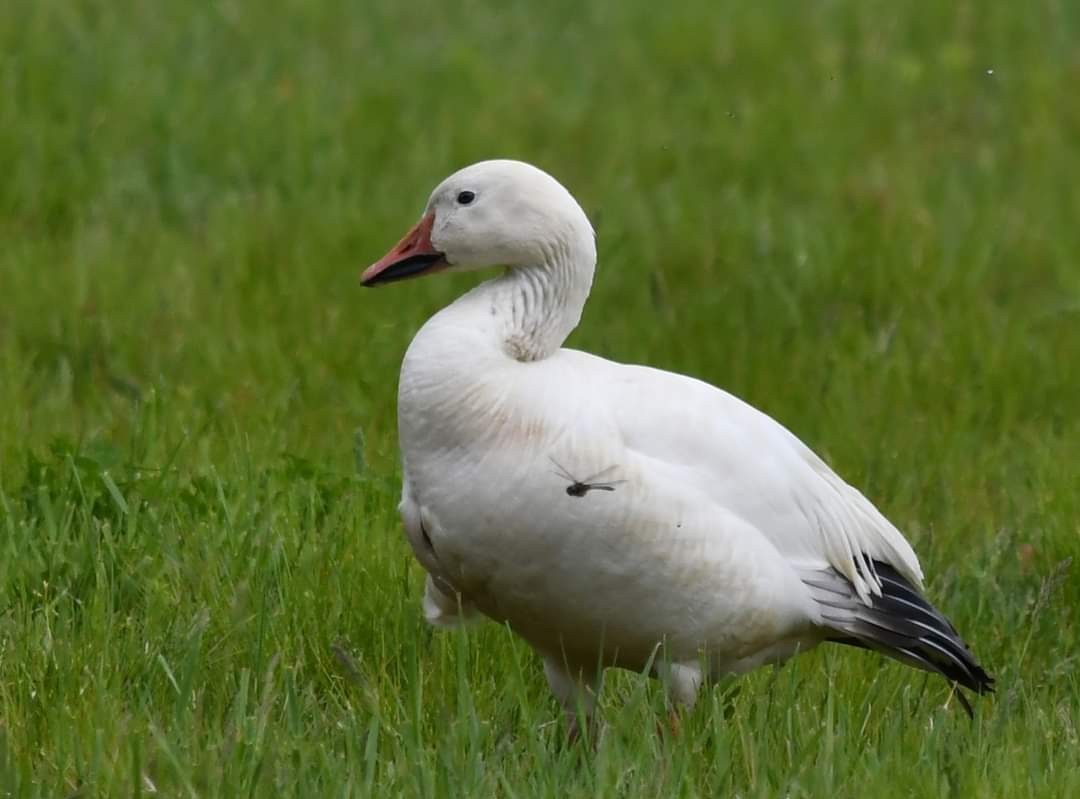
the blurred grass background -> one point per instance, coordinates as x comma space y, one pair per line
860, 217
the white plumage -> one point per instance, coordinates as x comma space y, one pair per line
722, 541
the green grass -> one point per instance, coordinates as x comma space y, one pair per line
861, 217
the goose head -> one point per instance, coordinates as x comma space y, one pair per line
493, 213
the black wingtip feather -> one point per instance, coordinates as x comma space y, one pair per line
902, 624
954, 658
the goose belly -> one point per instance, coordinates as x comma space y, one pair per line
613, 572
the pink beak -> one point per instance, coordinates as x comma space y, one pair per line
413, 256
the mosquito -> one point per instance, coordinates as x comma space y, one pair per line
579, 488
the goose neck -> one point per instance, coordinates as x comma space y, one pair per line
540, 305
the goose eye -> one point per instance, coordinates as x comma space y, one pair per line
466, 197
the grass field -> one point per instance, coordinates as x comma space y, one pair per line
860, 217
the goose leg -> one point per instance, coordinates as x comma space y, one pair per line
576, 689
682, 683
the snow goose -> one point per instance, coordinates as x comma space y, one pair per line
616, 515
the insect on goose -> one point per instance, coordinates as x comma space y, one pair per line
579, 488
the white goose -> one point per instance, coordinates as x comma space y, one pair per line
716, 541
